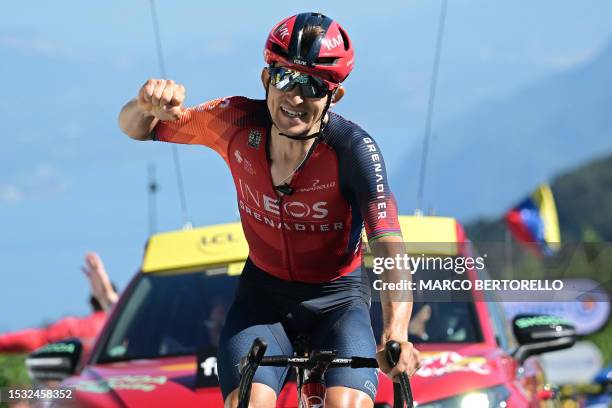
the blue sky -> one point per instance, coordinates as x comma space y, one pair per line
71, 182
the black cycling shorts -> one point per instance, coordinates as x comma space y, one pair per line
335, 315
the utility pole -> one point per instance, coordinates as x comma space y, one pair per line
152, 195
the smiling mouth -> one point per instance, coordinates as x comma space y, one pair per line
292, 113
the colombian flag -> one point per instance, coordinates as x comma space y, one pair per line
534, 221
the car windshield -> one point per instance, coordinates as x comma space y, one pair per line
172, 314
439, 318
436, 322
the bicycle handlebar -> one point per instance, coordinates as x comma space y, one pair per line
306, 362
255, 358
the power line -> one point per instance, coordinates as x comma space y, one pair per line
158, 43
430, 106
175, 154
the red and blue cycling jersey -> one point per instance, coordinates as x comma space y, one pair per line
312, 234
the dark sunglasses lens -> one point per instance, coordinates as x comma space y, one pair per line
285, 79
312, 91
318, 86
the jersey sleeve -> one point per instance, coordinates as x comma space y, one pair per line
209, 124
369, 184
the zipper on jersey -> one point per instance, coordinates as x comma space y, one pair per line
279, 201
286, 252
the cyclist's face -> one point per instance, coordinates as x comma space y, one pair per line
293, 113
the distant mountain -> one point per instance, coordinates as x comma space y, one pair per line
584, 204
482, 162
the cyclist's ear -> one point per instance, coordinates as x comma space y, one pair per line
265, 78
337, 95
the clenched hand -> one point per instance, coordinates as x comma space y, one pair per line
162, 98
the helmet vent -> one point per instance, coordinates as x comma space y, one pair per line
345, 39
326, 61
277, 49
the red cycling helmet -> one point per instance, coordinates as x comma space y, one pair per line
330, 56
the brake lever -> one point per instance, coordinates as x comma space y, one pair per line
247, 367
392, 353
253, 358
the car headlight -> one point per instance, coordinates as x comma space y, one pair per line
494, 397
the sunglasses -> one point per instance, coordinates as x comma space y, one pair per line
284, 79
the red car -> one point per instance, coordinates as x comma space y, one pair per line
158, 347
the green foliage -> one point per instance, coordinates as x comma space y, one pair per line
529, 267
590, 235
584, 201
13, 370
486, 230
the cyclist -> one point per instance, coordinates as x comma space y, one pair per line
307, 180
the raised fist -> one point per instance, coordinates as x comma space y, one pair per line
162, 98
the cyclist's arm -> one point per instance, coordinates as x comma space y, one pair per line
368, 178
136, 122
209, 124
379, 212
157, 99
396, 305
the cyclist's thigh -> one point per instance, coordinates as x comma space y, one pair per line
245, 322
348, 330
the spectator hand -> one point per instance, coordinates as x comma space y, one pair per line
99, 282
